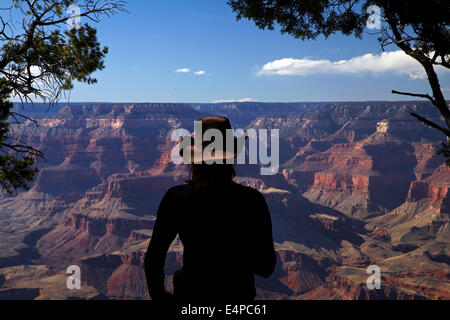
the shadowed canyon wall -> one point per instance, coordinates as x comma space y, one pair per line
360, 184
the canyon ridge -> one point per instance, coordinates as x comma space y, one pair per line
360, 184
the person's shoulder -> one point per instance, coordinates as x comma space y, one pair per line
248, 190
181, 192
179, 189
252, 199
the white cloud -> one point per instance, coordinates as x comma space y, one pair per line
235, 100
183, 70
200, 73
394, 61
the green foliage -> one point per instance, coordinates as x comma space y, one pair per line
16, 173
305, 19
445, 151
85, 56
41, 60
308, 19
418, 27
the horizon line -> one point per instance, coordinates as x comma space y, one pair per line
223, 102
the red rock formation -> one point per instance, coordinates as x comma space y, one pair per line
435, 189
346, 289
108, 138
330, 223
363, 177
300, 179
109, 165
427, 160
140, 235
97, 270
381, 234
85, 235
299, 272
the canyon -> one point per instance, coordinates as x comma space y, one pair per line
360, 184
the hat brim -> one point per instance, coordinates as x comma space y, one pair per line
188, 149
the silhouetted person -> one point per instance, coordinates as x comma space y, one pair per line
225, 229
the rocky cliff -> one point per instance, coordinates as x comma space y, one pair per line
360, 184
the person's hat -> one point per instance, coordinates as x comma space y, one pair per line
188, 147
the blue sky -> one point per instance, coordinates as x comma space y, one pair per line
158, 37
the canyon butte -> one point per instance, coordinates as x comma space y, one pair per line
360, 184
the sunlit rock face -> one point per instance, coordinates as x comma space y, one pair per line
359, 184
108, 138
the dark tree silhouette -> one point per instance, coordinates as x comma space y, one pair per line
418, 27
43, 52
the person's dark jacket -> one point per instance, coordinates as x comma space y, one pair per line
226, 232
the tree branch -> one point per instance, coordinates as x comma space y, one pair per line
431, 124
418, 95
23, 149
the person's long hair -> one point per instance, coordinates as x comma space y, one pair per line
203, 175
